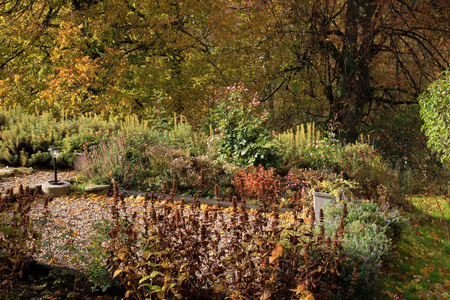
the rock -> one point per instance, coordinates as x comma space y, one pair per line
10, 172
5, 173
30, 188
98, 189
36, 186
23, 170
56, 189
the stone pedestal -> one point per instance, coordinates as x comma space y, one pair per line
320, 200
79, 160
56, 189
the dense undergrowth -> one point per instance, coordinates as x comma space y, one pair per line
173, 250
181, 251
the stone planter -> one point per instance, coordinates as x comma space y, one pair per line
79, 159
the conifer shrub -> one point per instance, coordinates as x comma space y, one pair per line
25, 138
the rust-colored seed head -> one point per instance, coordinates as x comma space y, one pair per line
243, 205
116, 189
153, 214
177, 216
174, 185
265, 263
202, 232
306, 255
234, 203
46, 199
216, 191
312, 215
202, 178
152, 197
206, 215
321, 216
344, 210
182, 203
322, 231
164, 188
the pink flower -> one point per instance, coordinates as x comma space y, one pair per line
228, 107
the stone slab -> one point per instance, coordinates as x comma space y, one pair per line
23, 170
5, 173
98, 189
10, 172
56, 190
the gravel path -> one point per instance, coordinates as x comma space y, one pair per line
69, 227
34, 177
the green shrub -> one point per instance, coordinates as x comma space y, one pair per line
307, 149
369, 233
244, 139
167, 163
360, 162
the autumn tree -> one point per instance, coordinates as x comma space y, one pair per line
344, 60
338, 62
118, 56
25, 43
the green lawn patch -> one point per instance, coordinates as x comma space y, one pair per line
421, 265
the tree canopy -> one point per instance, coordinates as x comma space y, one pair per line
337, 62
